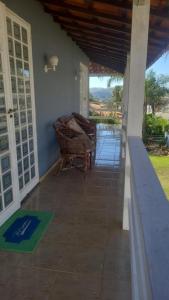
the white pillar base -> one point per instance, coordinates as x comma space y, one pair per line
127, 191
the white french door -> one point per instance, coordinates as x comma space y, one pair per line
18, 143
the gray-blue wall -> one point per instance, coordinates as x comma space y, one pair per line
56, 93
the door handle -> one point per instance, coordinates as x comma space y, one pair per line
10, 111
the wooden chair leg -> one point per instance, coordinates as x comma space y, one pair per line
62, 163
85, 162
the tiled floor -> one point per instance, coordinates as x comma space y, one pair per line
84, 255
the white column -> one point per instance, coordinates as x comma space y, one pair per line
138, 58
125, 106
137, 68
126, 91
127, 192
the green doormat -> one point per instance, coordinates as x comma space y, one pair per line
23, 230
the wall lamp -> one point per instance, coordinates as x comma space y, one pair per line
76, 75
52, 64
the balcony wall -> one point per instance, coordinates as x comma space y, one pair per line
56, 93
149, 228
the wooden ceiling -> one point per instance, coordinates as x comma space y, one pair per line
100, 70
102, 28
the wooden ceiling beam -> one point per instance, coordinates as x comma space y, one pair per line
81, 28
93, 51
103, 50
90, 13
101, 54
111, 38
99, 37
87, 30
108, 28
100, 42
109, 50
73, 7
89, 50
106, 45
153, 49
111, 44
108, 59
94, 37
124, 5
123, 21
95, 23
83, 44
114, 54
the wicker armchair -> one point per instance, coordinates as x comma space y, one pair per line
73, 146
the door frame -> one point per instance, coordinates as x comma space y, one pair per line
84, 90
22, 22
15, 204
18, 195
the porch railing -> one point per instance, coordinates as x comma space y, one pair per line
149, 228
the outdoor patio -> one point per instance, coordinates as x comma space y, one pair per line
84, 254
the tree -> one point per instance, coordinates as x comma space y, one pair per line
155, 90
114, 78
117, 94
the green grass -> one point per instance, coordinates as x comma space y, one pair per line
161, 165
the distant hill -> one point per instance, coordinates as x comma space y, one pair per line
101, 94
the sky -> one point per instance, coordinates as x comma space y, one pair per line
161, 66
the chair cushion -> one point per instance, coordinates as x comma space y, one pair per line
72, 124
83, 138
